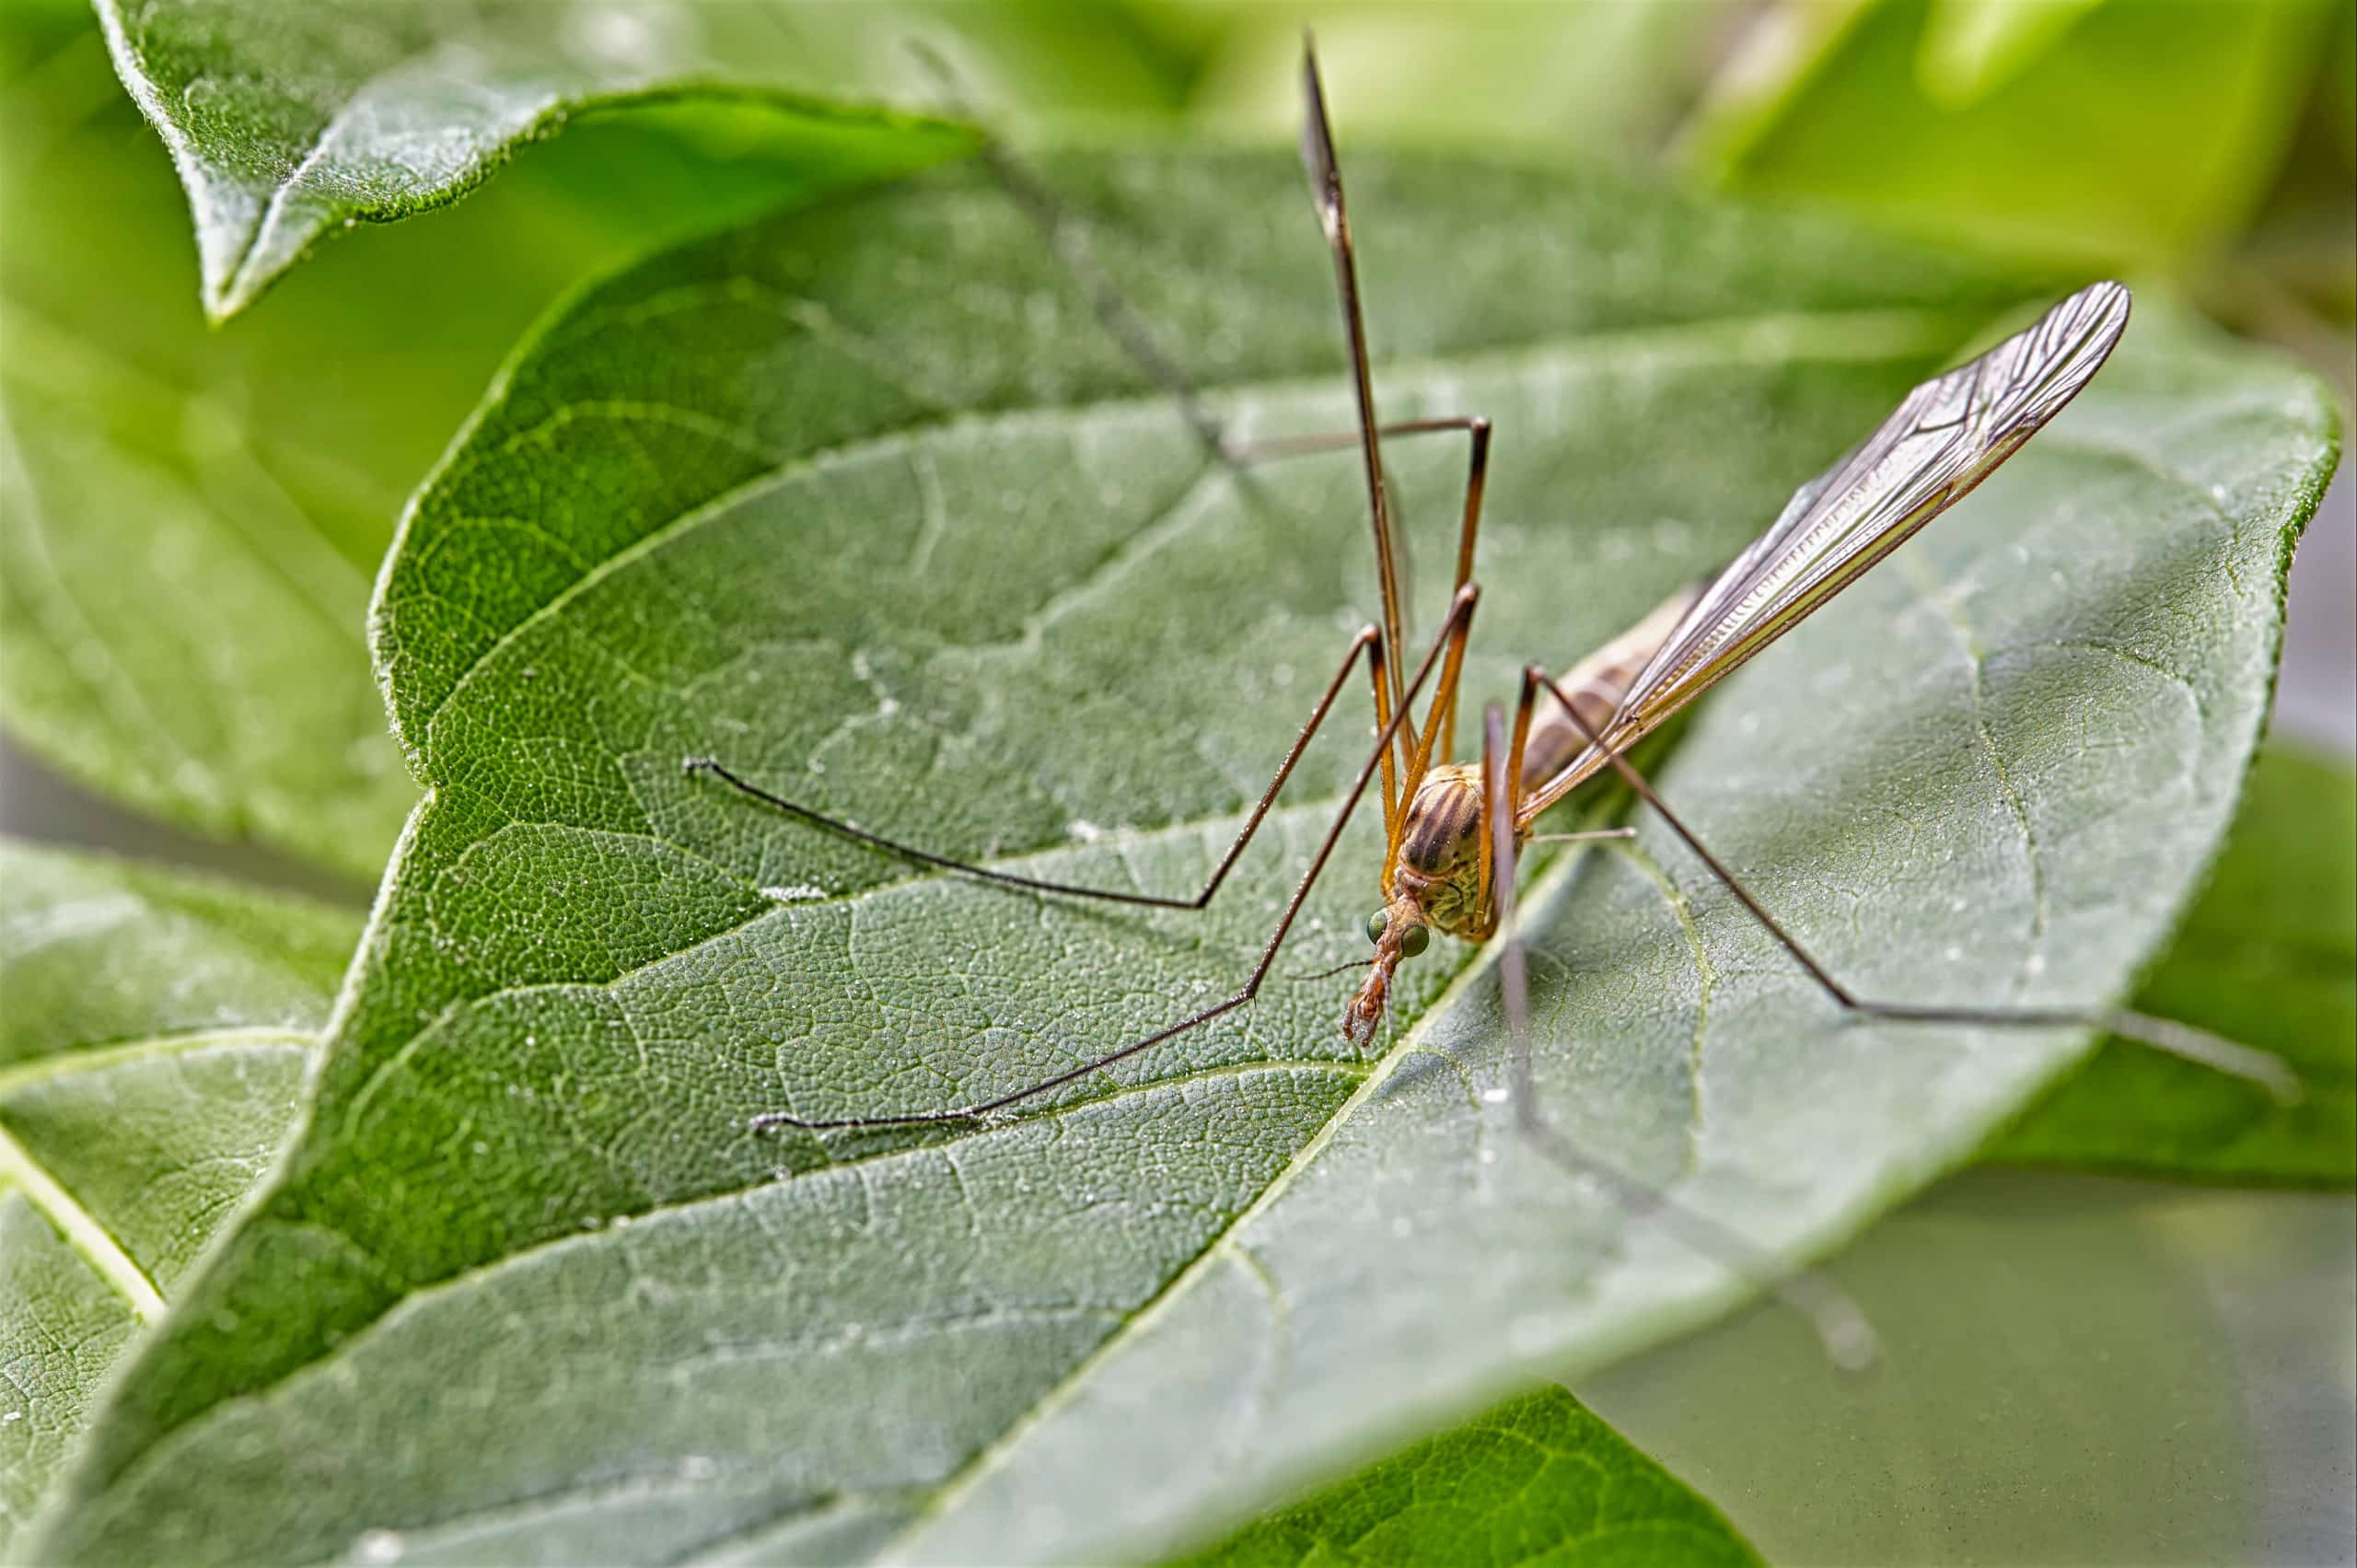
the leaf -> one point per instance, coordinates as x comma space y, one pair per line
2267, 956
151, 1060
2111, 1332
289, 123
2119, 135
1537, 1480
195, 516
861, 500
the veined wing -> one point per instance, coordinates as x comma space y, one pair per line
1946, 436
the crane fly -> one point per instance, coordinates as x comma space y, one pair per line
1454, 830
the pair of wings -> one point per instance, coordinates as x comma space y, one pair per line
1946, 436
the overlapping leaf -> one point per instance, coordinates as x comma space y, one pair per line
859, 500
195, 515
151, 1058
289, 123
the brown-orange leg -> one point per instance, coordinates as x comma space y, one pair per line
1848, 1338
1442, 722
1460, 615
2166, 1035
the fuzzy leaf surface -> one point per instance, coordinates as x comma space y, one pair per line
862, 501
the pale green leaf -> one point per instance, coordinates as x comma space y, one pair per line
2077, 1369
861, 500
152, 1057
195, 515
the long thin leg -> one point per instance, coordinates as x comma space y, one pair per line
1333, 217
1848, 1338
1442, 724
1369, 642
1460, 615
2166, 1035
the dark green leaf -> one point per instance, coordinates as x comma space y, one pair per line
2267, 957
1538, 1480
195, 515
860, 500
151, 1059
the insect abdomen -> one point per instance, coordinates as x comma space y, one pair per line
1443, 821
1597, 684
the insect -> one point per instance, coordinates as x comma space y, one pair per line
1454, 830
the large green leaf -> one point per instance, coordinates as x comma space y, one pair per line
151, 1059
858, 499
194, 514
1538, 1479
290, 122
2267, 957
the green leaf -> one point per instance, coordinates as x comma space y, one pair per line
2125, 134
151, 1060
860, 499
2268, 956
290, 122
195, 516
1537, 1480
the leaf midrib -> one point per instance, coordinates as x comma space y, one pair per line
90, 1240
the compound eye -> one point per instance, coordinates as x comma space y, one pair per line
1414, 940
1375, 923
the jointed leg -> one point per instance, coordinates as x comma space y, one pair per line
1460, 614
1369, 642
1848, 1338
2162, 1034
1439, 735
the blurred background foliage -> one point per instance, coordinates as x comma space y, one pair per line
2213, 145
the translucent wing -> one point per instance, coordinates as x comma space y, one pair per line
1947, 436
